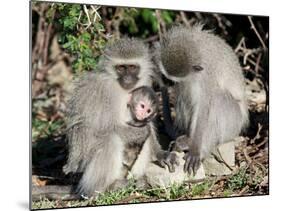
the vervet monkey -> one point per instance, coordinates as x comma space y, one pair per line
143, 105
97, 120
211, 107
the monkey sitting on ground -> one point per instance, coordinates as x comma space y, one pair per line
97, 120
211, 107
143, 106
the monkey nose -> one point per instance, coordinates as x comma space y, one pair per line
141, 114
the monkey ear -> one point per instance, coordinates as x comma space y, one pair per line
197, 68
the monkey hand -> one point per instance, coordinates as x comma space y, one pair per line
192, 162
170, 159
192, 156
67, 168
180, 145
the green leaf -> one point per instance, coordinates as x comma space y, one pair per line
166, 16
154, 24
86, 37
146, 15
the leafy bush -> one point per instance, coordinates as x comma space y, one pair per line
80, 33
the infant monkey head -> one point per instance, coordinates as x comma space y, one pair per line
143, 105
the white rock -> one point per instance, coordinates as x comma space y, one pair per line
222, 160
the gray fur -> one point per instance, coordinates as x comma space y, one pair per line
125, 49
134, 139
96, 120
210, 99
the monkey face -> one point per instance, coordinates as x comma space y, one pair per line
143, 110
143, 105
127, 75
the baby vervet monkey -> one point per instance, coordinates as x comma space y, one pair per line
101, 125
211, 107
143, 107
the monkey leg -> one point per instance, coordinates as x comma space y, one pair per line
79, 149
142, 183
118, 184
104, 167
224, 122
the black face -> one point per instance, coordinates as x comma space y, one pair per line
127, 75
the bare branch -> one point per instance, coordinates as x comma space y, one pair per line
256, 32
88, 17
161, 24
239, 46
184, 19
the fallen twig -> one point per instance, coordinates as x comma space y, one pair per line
245, 189
132, 197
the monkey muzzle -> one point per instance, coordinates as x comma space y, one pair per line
127, 82
137, 121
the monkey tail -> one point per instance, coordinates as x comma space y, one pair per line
54, 192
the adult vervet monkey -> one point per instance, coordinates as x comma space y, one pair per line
211, 107
97, 120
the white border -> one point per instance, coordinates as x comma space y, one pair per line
14, 82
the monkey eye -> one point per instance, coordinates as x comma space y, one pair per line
133, 68
197, 68
120, 68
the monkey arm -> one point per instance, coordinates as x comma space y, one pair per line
90, 119
197, 143
162, 157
